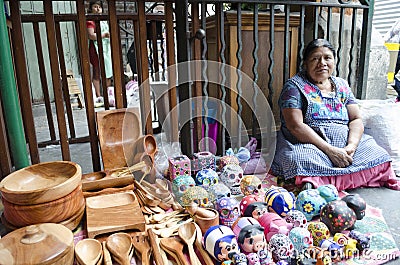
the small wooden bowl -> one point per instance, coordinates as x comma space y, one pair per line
49, 212
94, 176
88, 251
40, 183
206, 222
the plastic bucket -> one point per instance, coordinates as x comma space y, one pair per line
393, 49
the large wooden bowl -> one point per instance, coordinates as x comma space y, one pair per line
39, 183
48, 212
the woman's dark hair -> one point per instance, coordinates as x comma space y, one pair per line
94, 2
316, 44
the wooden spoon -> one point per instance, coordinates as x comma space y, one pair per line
163, 216
119, 245
187, 232
142, 245
88, 251
158, 260
106, 253
204, 254
167, 232
174, 247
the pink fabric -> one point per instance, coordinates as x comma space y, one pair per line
379, 176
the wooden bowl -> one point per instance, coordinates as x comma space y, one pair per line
70, 223
49, 212
206, 222
88, 251
40, 183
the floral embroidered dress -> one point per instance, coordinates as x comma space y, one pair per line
327, 115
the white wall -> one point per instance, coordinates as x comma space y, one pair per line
386, 13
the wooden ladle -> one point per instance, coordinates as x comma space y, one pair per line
198, 243
88, 251
119, 245
174, 247
187, 232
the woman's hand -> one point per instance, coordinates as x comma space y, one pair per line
350, 149
105, 35
339, 157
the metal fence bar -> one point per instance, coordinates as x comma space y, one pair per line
301, 37
328, 24
185, 90
339, 49
223, 77
239, 74
316, 19
365, 45
352, 45
255, 70
271, 55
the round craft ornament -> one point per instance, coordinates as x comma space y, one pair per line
319, 231
281, 247
220, 242
180, 184
246, 201
357, 204
231, 176
206, 178
301, 238
197, 195
250, 184
280, 200
310, 203
297, 218
227, 160
228, 209
337, 216
249, 234
217, 191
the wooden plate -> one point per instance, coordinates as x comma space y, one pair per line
113, 212
118, 130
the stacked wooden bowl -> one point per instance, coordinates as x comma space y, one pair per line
48, 192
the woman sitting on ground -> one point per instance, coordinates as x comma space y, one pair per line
321, 140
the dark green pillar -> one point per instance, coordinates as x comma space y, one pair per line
9, 97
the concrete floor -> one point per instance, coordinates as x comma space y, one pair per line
382, 198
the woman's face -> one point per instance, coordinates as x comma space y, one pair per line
97, 9
320, 64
